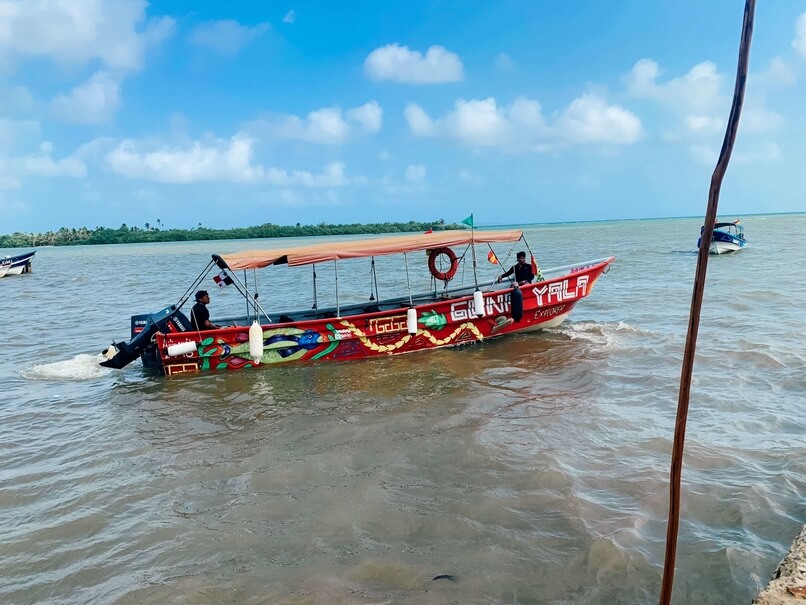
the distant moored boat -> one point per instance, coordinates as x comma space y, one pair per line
16, 265
728, 237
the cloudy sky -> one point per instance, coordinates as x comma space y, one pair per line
243, 112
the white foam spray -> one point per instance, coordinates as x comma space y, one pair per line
80, 367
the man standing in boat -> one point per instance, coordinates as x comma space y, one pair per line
523, 271
199, 315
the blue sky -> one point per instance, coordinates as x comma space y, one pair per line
245, 112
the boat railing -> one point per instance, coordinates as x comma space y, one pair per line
387, 304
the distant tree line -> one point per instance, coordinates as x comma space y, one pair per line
151, 233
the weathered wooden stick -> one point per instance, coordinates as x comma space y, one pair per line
696, 304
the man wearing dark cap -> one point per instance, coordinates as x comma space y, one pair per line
199, 315
523, 271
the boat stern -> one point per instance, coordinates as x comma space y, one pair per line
143, 330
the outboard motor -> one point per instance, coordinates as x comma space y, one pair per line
144, 327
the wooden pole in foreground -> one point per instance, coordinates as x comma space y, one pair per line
696, 304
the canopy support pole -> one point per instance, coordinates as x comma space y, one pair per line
336, 266
246, 299
313, 269
408, 281
244, 290
257, 294
373, 280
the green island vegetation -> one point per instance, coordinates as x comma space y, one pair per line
158, 233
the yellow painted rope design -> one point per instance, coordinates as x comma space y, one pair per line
391, 347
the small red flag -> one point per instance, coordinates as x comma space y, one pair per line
492, 257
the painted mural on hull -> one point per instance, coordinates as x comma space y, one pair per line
445, 323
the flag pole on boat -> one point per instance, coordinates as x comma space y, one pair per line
478, 296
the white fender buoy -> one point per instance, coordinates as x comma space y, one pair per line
478, 303
411, 321
256, 342
181, 348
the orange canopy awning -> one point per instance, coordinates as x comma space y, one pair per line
380, 246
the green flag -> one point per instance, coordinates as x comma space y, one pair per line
468, 221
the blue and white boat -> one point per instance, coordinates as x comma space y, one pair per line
16, 265
728, 237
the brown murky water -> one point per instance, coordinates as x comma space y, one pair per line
527, 470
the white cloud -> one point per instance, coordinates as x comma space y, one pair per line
695, 92
368, 115
290, 16
704, 154
799, 43
40, 164
698, 102
415, 174
93, 102
764, 154
16, 99
399, 64
758, 119
45, 166
522, 127
384, 156
226, 36
419, 122
15, 132
216, 161
326, 126
8, 183
116, 32
468, 178
778, 73
589, 119
289, 198
704, 124
504, 62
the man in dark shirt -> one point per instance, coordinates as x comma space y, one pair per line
199, 315
523, 271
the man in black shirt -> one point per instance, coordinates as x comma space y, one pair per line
199, 315
523, 272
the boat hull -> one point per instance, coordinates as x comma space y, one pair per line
440, 323
723, 242
724, 247
17, 265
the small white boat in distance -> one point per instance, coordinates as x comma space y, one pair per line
728, 237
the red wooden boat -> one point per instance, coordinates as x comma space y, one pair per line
441, 317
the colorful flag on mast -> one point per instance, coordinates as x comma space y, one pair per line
536, 270
492, 257
222, 279
468, 221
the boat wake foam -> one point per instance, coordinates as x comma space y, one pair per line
80, 367
608, 336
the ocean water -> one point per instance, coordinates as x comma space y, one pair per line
531, 469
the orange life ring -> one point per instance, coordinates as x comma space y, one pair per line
432, 263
